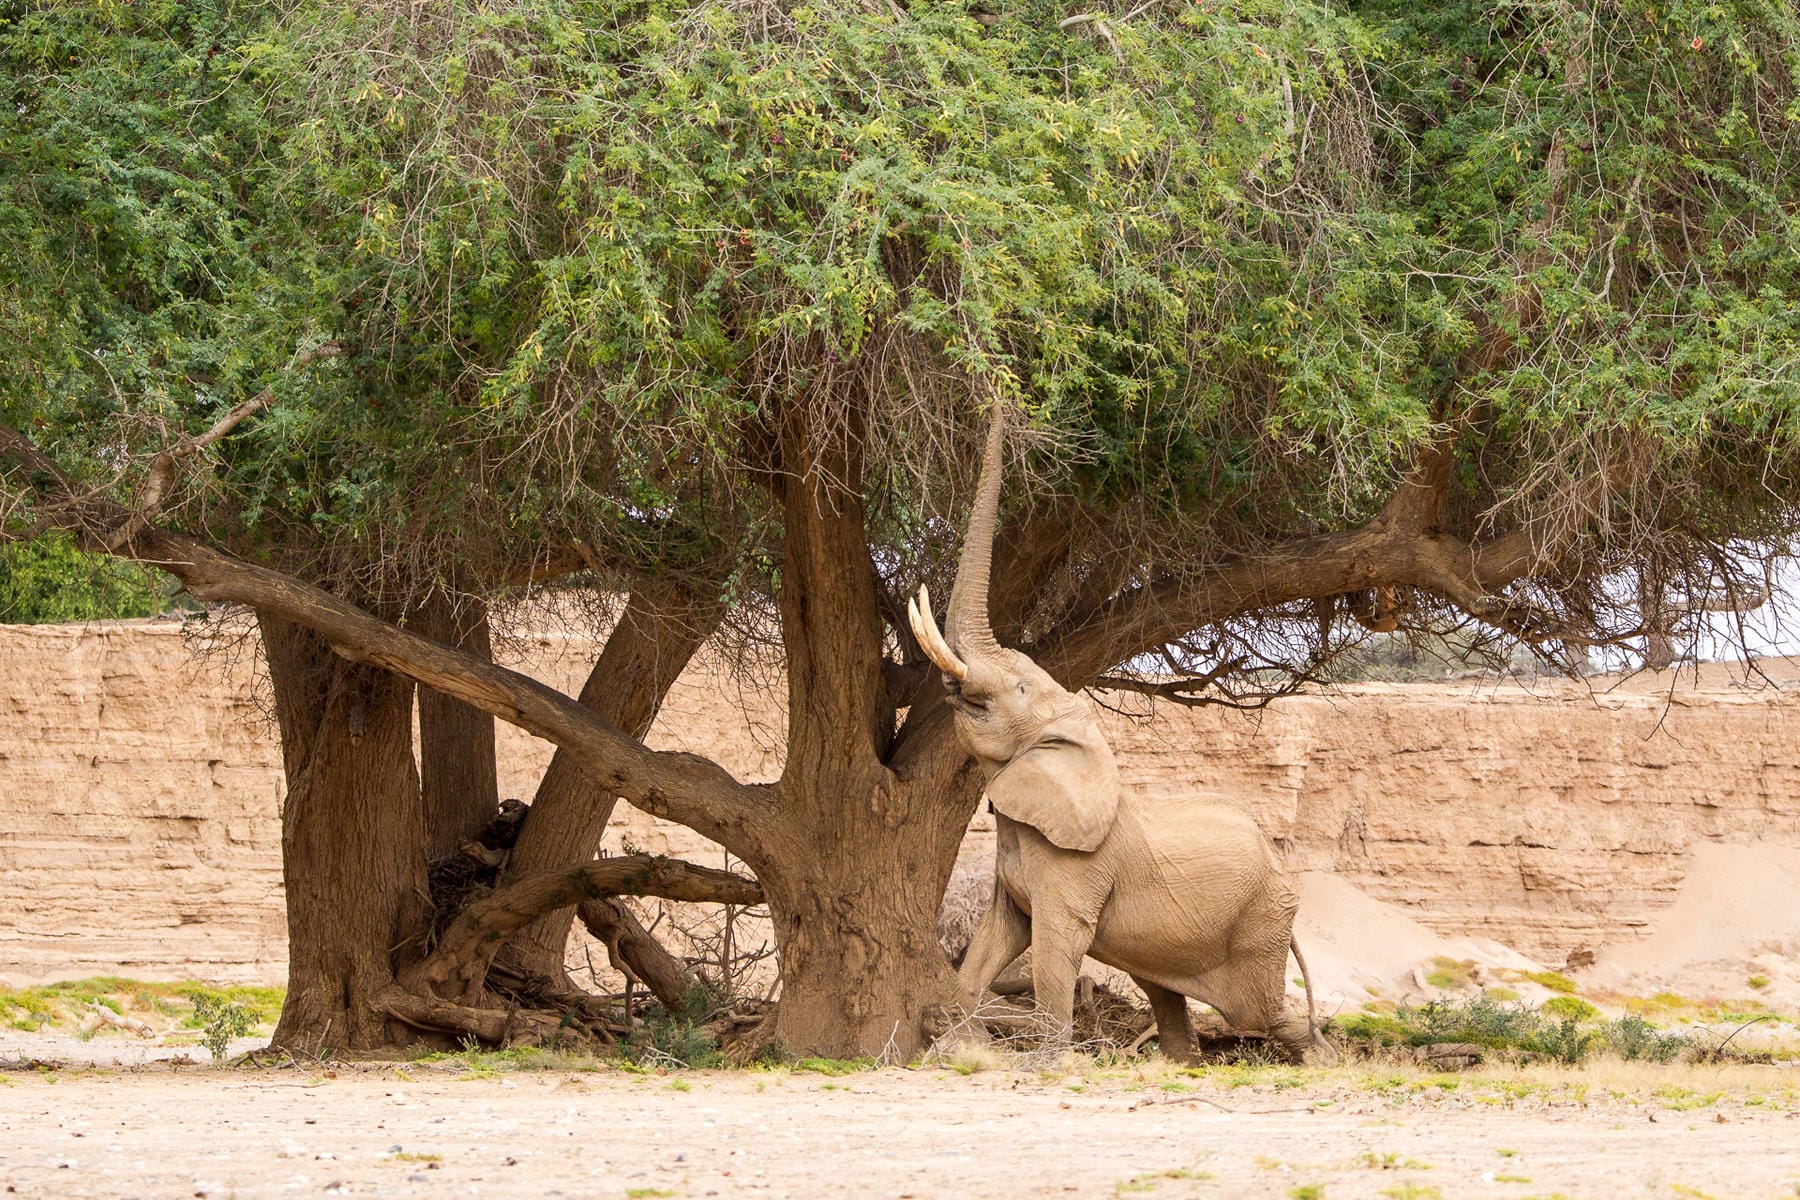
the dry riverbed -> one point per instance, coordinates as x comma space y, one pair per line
471, 1126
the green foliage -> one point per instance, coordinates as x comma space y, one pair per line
49, 580
1632, 1038
677, 1039
1565, 1029
1238, 261
221, 1022
1554, 981
1570, 1006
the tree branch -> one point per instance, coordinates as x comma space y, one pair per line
1403, 546
457, 969
685, 788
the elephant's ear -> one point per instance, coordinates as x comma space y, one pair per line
1065, 787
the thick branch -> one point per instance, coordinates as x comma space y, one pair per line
1402, 547
458, 967
632, 950
686, 788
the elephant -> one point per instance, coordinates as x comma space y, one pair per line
1185, 897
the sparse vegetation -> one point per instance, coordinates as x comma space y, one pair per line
1565, 1028
65, 1005
1554, 981
835, 1066
1148, 1180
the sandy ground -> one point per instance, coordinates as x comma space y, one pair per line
445, 1130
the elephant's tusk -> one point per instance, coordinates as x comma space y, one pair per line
925, 628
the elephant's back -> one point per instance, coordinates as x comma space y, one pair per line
1184, 829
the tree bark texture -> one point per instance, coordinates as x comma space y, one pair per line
457, 769
854, 896
353, 858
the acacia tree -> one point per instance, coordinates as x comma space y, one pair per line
1317, 320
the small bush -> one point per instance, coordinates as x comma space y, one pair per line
678, 1038
221, 1021
1570, 1006
1565, 1028
1633, 1038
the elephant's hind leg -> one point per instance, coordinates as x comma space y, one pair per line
1250, 992
1173, 1031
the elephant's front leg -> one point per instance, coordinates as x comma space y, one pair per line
1059, 941
1002, 936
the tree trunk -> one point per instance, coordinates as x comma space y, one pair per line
457, 771
854, 894
353, 856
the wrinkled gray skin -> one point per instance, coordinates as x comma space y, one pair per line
1185, 897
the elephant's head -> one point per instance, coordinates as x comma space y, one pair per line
1046, 761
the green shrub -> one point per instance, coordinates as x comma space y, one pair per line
677, 1038
221, 1021
1570, 1006
1632, 1038
1554, 981
1480, 1020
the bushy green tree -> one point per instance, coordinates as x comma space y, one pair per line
49, 581
1319, 317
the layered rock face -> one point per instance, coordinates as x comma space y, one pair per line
140, 793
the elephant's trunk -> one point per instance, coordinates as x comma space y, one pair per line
967, 620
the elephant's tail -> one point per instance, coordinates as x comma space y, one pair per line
1312, 1008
